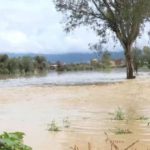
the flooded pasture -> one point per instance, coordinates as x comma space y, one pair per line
67, 78
88, 109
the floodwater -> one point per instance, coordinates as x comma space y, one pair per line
67, 78
88, 110
70, 78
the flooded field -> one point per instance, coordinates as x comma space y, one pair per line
88, 110
67, 78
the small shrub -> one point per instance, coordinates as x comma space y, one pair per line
119, 114
53, 127
13, 141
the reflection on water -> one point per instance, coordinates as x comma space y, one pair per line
69, 78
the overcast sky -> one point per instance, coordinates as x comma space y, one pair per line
34, 26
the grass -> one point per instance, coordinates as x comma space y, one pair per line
53, 127
142, 118
119, 114
120, 131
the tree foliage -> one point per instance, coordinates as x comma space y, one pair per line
125, 18
23, 65
106, 58
40, 63
13, 141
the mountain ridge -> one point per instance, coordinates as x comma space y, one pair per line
69, 57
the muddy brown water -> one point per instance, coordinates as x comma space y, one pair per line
87, 109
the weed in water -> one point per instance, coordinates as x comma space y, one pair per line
121, 131
53, 127
66, 123
142, 118
119, 114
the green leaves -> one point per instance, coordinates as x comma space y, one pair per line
13, 141
125, 18
25, 65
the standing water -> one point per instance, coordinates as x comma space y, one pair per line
68, 78
89, 109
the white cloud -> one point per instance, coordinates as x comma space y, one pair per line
14, 37
34, 26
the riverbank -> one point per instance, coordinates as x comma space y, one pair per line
87, 108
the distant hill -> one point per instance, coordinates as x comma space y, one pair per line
70, 57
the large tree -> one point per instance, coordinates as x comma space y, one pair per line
124, 18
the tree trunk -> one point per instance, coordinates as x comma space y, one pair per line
129, 63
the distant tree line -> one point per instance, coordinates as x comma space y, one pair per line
141, 58
79, 67
25, 65
94, 65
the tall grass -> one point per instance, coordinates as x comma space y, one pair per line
53, 127
119, 114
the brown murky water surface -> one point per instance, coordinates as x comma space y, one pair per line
86, 108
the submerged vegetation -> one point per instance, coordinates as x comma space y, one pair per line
13, 141
142, 118
119, 131
53, 127
119, 114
